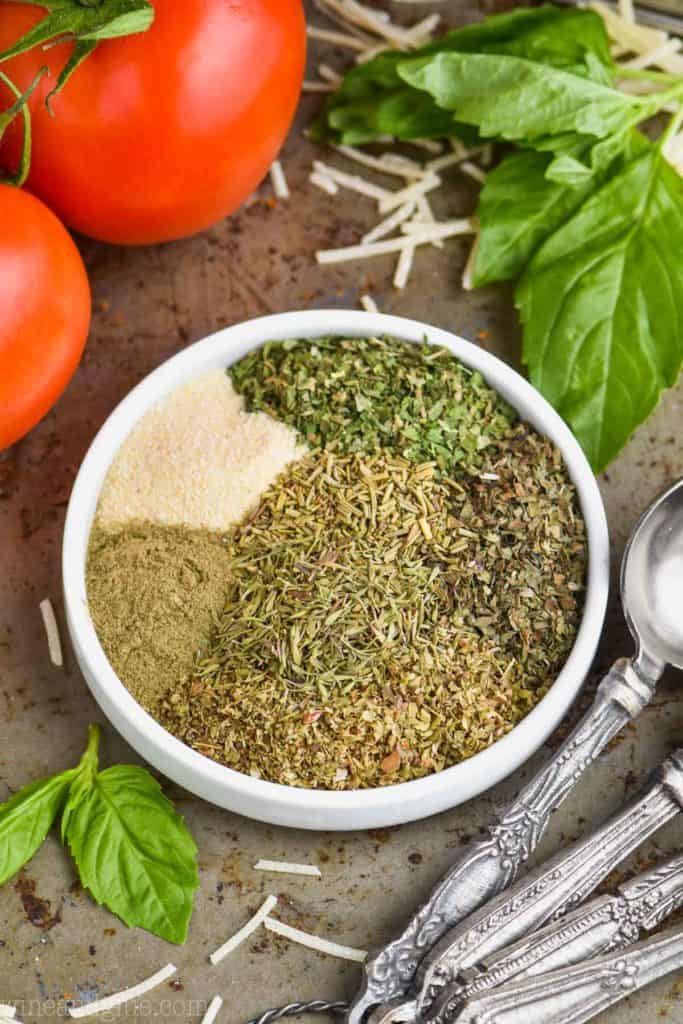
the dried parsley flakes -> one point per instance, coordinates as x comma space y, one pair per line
365, 394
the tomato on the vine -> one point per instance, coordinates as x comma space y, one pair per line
158, 135
45, 302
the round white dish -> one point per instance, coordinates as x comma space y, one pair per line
287, 805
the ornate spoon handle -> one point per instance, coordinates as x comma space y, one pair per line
605, 924
488, 866
575, 994
559, 884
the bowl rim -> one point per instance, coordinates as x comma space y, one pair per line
164, 750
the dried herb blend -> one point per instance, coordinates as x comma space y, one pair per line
400, 596
387, 615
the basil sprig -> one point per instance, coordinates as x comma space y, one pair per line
586, 214
132, 850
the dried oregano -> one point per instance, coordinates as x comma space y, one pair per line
383, 620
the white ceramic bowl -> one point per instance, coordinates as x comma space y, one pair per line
287, 805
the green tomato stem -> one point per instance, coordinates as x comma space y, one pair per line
20, 106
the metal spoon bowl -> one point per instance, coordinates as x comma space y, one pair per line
652, 584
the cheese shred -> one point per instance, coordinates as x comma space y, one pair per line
369, 304
54, 642
277, 176
239, 937
286, 868
213, 1009
313, 942
119, 998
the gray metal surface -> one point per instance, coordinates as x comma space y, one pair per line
54, 942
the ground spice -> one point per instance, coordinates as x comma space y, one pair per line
197, 459
383, 621
152, 594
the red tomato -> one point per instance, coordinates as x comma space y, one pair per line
161, 134
45, 302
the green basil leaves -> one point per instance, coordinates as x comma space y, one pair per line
132, 850
586, 213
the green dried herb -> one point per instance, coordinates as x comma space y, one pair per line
366, 394
382, 620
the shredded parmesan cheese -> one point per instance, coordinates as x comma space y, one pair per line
119, 998
653, 57
328, 73
467, 167
370, 306
277, 176
344, 23
418, 235
337, 38
54, 644
637, 38
404, 266
440, 229
324, 183
244, 932
399, 166
371, 19
421, 32
429, 145
286, 868
213, 1010
313, 942
626, 11
374, 51
426, 215
393, 199
385, 227
309, 86
352, 181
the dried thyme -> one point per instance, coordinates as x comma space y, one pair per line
367, 394
383, 621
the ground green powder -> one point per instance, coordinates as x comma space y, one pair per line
152, 593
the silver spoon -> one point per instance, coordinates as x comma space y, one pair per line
652, 598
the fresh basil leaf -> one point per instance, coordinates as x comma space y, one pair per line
520, 205
568, 38
132, 850
601, 303
520, 100
373, 99
27, 817
568, 171
518, 208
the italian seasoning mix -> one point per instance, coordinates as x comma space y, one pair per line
402, 590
